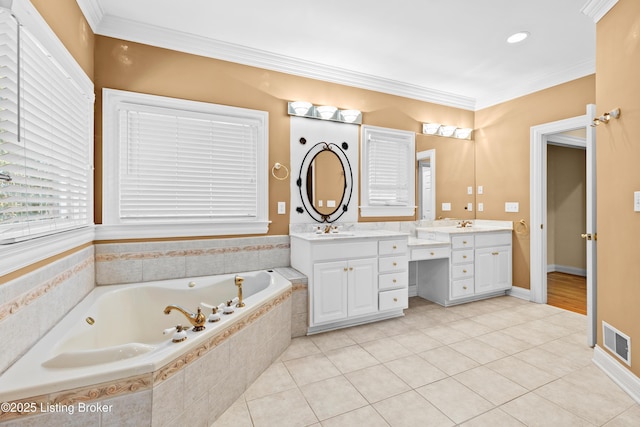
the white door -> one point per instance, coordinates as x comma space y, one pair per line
591, 231
329, 292
363, 287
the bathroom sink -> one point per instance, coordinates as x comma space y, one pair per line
334, 235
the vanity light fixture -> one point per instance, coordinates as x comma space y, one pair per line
324, 112
518, 37
447, 131
606, 117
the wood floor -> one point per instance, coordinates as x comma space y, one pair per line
567, 291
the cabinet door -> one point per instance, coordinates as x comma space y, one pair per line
363, 287
329, 292
492, 269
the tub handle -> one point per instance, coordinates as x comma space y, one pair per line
180, 333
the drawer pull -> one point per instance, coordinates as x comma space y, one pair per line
464, 242
464, 256
495, 253
395, 263
464, 271
464, 287
395, 247
346, 269
395, 300
433, 253
394, 280
350, 268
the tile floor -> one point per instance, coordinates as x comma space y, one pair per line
498, 362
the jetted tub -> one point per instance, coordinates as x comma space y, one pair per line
117, 331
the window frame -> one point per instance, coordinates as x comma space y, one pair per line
369, 209
114, 227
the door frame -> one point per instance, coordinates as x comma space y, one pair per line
538, 198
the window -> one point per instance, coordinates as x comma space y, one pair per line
193, 168
46, 136
388, 172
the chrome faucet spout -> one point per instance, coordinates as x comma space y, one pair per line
196, 319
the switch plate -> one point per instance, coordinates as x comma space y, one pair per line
480, 189
446, 206
470, 207
282, 208
469, 190
512, 207
480, 207
636, 201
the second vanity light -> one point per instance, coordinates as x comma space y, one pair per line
446, 131
324, 112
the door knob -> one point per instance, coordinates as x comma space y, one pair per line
589, 236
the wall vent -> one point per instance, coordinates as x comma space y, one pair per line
617, 342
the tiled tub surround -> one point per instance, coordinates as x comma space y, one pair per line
299, 300
118, 263
193, 389
32, 304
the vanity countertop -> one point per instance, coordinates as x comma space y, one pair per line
341, 235
461, 230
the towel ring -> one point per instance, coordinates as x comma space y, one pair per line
277, 167
521, 227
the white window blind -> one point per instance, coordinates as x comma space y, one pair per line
184, 162
46, 140
388, 172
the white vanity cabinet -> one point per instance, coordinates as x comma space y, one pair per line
480, 266
352, 279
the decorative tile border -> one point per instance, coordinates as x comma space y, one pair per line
22, 301
127, 256
145, 381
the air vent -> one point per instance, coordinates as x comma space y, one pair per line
617, 342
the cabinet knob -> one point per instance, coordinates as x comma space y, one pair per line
395, 263
433, 253
464, 271
395, 247
350, 268
395, 300
494, 253
464, 256
394, 280
464, 287
346, 269
464, 242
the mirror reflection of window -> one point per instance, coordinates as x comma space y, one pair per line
326, 182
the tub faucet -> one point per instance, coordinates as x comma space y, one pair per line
197, 320
239, 281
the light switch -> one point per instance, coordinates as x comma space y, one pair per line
480, 190
636, 201
446, 206
282, 208
469, 190
512, 207
480, 207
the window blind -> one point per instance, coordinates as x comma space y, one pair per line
45, 140
183, 166
388, 179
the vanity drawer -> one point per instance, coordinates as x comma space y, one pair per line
429, 253
462, 270
393, 280
493, 239
462, 256
398, 298
392, 263
392, 247
344, 250
462, 242
461, 288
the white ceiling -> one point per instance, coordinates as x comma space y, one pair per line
452, 52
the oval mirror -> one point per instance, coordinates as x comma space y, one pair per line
325, 182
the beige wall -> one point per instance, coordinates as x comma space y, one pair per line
566, 207
140, 68
618, 175
503, 153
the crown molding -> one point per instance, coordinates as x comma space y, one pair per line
176, 40
596, 9
92, 12
542, 82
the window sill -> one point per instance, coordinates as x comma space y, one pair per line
151, 231
18, 255
367, 211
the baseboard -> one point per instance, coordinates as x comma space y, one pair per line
551, 268
617, 372
521, 293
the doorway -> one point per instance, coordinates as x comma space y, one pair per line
427, 182
539, 222
566, 221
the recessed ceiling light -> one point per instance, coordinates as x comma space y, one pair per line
518, 37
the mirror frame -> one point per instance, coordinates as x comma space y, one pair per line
342, 207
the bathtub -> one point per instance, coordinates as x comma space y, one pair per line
117, 331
